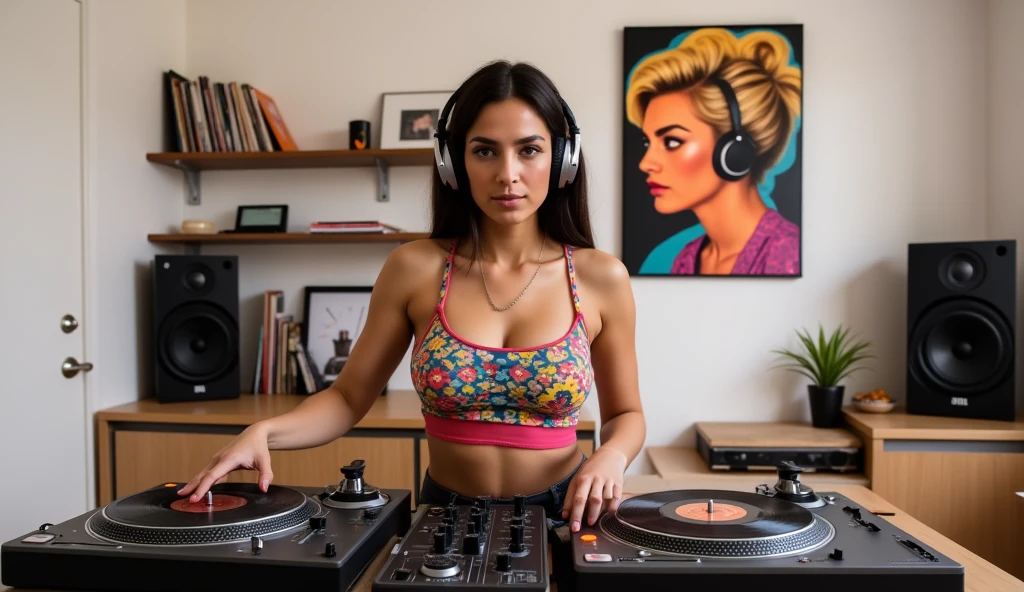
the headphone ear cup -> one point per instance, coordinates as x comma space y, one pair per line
447, 169
557, 163
733, 156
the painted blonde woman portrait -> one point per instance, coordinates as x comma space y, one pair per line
711, 165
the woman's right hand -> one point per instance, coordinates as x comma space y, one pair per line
248, 451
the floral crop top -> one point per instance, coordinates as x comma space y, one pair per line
537, 387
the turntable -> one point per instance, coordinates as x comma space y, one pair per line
729, 540
321, 538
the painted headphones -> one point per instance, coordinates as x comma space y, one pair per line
565, 152
735, 151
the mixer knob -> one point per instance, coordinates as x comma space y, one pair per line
371, 513
471, 544
440, 542
520, 505
477, 520
330, 550
256, 544
471, 528
451, 513
504, 562
317, 522
516, 534
516, 522
449, 534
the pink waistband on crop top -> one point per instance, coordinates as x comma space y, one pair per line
516, 397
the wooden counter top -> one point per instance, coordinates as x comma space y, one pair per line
398, 409
899, 425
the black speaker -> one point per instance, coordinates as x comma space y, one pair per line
195, 327
961, 329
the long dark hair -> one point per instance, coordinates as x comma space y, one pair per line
563, 216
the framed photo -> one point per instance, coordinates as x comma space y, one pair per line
334, 318
409, 119
699, 198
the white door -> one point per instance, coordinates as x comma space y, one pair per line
42, 414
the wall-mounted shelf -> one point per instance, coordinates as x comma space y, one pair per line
194, 241
192, 163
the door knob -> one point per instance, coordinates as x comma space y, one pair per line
68, 323
71, 367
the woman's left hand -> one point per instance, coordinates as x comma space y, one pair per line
596, 487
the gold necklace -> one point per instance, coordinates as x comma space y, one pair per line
511, 304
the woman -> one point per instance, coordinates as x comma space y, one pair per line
679, 98
515, 315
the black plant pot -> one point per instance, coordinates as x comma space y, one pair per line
826, 405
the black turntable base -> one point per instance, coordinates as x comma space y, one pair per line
788, 537
237, 537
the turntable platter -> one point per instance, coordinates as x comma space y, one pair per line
709, 523
236, 512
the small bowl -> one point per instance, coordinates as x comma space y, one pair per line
869, 406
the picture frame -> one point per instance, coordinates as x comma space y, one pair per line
333, 319
409, 119
663, 233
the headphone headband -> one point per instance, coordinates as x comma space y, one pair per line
730, 98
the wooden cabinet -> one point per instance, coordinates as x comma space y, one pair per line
145, 443
958, 476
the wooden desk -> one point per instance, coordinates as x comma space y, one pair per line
979, 575
958, 476
146, 442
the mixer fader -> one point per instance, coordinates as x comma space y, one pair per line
472, 548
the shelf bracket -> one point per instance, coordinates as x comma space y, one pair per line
383, 191
192, 178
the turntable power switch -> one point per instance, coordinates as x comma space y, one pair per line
836, 554
330, 550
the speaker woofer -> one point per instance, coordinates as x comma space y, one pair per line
199, 343
961, 347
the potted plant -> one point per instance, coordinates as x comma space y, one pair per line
826, 361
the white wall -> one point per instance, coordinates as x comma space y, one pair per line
894, 153
1005, 128
128, 45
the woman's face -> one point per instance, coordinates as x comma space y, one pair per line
508, 161
678, 157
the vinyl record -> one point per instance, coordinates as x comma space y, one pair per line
719, 524
239, 511
735, 515
233, 503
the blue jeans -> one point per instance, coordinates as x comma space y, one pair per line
551, 499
